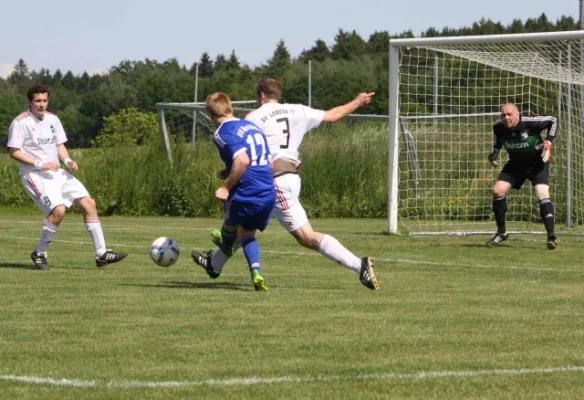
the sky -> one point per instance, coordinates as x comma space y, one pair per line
94, 36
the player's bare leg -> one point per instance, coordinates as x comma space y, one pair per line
332, 249
103, 256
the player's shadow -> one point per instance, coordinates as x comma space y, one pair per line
17, 265
201, 285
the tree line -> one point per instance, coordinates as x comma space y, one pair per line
339, 70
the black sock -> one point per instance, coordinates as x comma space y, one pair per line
500, 209
546, 210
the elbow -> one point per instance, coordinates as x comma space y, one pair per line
330, 116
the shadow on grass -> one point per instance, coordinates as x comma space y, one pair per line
17, 265
201, 285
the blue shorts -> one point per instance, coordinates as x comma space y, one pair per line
250, 216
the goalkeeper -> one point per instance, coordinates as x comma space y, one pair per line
529, 158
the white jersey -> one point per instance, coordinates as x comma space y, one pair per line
37, 138
285, 126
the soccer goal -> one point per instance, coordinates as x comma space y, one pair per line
184, 120
444, 96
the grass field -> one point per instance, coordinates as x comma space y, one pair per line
452, 319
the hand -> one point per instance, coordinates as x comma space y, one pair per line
364, 98
50, 166
223, 174
546, 152
493, 158
221, 194
72, 165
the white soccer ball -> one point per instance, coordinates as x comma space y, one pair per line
164, 251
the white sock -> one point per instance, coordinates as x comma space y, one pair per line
46, 236
332, 249
218, 260
93, 227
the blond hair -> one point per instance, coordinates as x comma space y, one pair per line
218, 105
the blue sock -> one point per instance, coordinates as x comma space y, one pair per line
251, 249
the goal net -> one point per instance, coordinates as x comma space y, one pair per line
445, 95
183, 121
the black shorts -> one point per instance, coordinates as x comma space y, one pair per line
517, 171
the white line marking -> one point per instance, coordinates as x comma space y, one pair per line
128, 384
48, 381
316, 254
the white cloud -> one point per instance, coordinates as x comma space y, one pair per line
6, 70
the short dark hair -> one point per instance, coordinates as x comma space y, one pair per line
271, 88
35, 89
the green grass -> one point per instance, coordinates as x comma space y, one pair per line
448, 307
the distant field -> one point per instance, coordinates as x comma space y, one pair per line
453, 319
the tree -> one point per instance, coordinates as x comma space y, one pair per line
206, 68
69, 81
378, 42
84, 83
319, 52
348, 46
20, 72
280, 59
128, 127
10, 107
233, 61
220, 62
57, 77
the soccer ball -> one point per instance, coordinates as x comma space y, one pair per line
164, 251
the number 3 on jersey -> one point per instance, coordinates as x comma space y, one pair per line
257, 145
285, 131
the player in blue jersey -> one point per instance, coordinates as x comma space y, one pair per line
247, 191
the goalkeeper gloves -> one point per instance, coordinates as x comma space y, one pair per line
546, 151
493, 157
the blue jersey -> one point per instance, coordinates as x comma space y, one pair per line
238, 135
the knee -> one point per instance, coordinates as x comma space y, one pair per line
308, 240
499, 191
87, 205
57, 214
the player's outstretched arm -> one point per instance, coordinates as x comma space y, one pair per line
339, 112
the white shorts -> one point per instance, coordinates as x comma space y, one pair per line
50, 189
288, 210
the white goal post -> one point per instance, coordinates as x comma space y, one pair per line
444, 95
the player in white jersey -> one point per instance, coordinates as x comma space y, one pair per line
285, 126
37, 141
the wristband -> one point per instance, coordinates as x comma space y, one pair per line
38, 165
67, 161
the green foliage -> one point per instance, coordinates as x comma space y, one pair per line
11, 105
340, 69
129, 127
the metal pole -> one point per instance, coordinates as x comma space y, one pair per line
436, 77
581, 63
164, 131
569, 145
194, 132
310, 83
393, 177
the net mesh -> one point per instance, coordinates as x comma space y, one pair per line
449, 97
